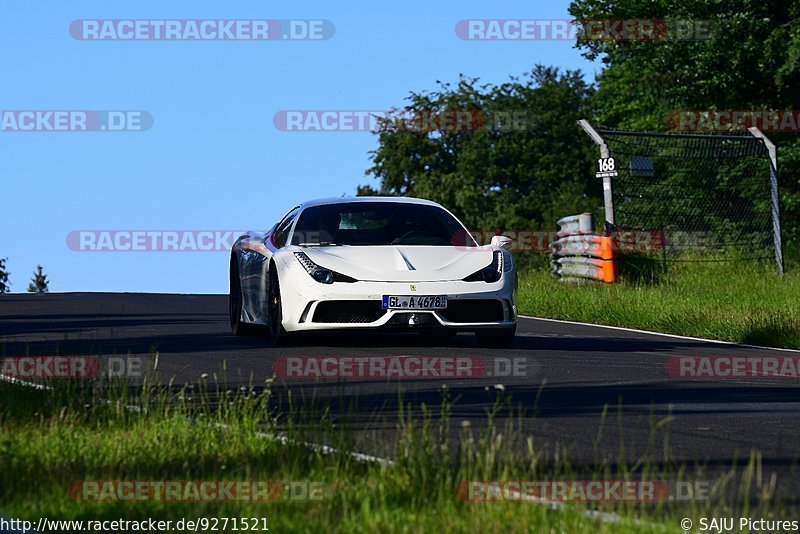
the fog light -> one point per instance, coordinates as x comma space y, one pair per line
413, 320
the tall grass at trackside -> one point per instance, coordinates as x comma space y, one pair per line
745, 303
50, 439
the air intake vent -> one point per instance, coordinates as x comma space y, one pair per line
473, 311
348, 311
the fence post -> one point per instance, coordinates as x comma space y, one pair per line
773, 186
608, 197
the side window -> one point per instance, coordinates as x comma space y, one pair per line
281, 232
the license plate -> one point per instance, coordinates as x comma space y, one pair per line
407, 302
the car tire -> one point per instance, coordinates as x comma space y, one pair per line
277, 333
496, 338
238, 328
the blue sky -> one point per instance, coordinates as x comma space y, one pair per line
212, 159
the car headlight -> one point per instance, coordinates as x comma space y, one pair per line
508, 262
491, 273
320, 274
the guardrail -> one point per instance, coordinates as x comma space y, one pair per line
579, 254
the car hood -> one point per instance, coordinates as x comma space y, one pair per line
396, 263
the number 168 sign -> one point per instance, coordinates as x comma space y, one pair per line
606, 167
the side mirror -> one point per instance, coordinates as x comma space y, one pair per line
502, 242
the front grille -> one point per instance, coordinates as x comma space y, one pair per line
348, 311
473, 311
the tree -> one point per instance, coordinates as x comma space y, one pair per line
495, 177
38, 282
4, 283
750, 62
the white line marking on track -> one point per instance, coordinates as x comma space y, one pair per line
648, 332
20, 382
316, 447
604, 517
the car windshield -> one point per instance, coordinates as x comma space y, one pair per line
378, 223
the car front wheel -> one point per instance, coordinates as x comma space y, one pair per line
238, 328
277, 333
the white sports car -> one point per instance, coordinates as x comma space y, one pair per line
372, 263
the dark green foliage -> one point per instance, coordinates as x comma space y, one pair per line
38, 282
751, 62
496, 178
528, 179
4, 283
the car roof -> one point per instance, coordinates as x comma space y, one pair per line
344, 200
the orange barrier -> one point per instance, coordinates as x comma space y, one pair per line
607, 254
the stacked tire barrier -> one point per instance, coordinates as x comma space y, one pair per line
579, 254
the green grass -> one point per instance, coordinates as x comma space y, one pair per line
50, 439
743, 303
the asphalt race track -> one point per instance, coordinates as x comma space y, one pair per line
574, 370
